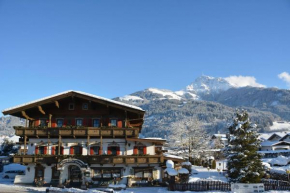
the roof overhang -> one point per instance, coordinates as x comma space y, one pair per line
71, 93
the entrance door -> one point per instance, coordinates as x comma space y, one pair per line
75, 176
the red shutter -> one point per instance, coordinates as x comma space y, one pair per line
118, 150
73, 122
89, 122
120, 124
84, 122
53, 123
92, 151
36, 149
45, 150
100, 151
64, 122
53, 150
109, 151
36, 123
71, 150
81, 150
61, 149
135, 150
144, 150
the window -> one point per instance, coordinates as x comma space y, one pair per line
42, 122
143, 172
71, 106
140, 149
59, 122
96, 122
79, 122
85, 106
76, 150
113, 150
94, 150
113, 122
41, 150
106, 173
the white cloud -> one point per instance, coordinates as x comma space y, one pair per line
242, 81
285, 76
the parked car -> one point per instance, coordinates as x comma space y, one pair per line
10, 174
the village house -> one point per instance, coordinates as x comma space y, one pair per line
78, 139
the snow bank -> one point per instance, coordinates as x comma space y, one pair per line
169, 164
280, 160
14, 167
72, 190
123, 186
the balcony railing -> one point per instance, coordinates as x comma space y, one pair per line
109, 132
90, 159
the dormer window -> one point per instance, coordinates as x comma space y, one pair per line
71, 106
85, 106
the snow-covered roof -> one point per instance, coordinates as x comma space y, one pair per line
72, 91
186, 164
219, 135
268, 143
183, 171
171, 171
172, 156
169, 164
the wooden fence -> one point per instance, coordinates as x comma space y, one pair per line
276, 185
201, 186
223, 186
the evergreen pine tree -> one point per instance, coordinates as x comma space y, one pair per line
244, 163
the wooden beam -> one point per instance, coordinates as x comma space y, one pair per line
26, 116
41, 110
49, 122
56, 104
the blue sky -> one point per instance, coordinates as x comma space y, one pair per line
112, 48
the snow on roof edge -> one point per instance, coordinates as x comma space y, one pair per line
79, 92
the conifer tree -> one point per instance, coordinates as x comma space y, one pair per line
244, 163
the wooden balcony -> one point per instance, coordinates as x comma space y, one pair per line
90, 159
75, 132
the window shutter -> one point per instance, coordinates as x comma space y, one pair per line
71, 150
120, 124
118, 150
45, 150
135, 150
73, 122
36, 123
64, 122
85, 122
91, 150
53, 150
36, 149
81, 150
53, 123
61, 149
109, 151
144, 150
100, 151
89, 123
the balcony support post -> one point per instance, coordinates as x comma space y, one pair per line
101, 146
88, 143
59, 142
25, 141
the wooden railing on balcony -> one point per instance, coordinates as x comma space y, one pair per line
113, 132
90, 159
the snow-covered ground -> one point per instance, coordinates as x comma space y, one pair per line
205, 174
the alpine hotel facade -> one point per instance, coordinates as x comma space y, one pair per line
74, 138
